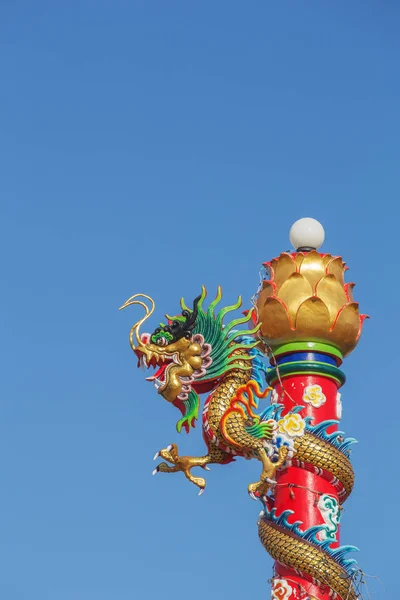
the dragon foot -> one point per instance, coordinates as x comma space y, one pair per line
183, 464
260, 488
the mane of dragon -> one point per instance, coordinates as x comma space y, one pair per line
224, 349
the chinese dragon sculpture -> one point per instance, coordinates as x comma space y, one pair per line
305, 319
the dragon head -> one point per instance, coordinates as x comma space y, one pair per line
186, 363
178, 355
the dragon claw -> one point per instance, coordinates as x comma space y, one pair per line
206, 468
200, 492
253, 496
184, 464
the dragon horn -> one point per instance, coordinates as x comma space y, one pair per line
135, 329
191, 316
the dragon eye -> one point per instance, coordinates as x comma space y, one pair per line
162, 341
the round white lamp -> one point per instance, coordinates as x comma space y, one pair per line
307, 234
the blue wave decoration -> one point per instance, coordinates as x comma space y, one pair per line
310, 535
272, 411
258, 366
336, 438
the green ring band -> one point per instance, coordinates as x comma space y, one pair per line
306, 368
308, 347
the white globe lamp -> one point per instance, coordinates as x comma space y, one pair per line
307, 234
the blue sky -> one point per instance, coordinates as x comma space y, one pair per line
152, 147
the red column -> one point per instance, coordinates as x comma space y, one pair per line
299, 489
308, 322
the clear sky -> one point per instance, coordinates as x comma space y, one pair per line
151, 147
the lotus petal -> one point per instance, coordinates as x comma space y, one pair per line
275, 321
347, 328
326, 258
332, 294
298, 258
312, 319
268, 288
362, 319
267, 291
348, 288
293, 292
337, 268
282, 267
312, 267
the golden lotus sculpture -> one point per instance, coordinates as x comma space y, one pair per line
306, 299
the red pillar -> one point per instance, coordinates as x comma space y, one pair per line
308, 322
298, 488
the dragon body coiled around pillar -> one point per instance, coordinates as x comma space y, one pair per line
195, 353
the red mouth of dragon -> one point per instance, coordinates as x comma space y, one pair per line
162, 361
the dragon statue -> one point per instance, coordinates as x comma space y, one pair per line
196, 353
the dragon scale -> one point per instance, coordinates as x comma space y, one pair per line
216, 407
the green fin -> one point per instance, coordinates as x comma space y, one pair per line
263, 430
191, 412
